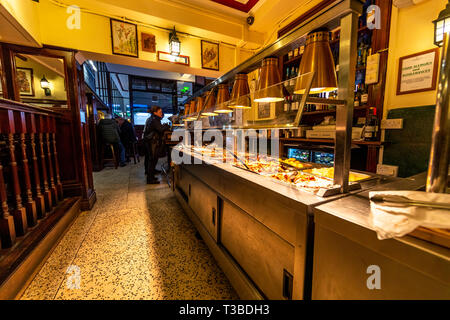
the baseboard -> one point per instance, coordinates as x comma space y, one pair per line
29, 256
88, 204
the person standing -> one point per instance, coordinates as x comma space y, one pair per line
153, 140
109, 132
127, 135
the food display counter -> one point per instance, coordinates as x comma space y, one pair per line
346, 246
259, 229
285, 229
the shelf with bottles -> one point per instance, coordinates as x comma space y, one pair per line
294, 60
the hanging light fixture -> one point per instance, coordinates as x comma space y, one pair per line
442, 25
240, 95
210, 103
192, 106
223, 96
199, 104
317, 58
269, 88
45, 84
186, 111
174, 43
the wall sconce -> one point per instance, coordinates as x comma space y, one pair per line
174, 43
442, 25
46, 86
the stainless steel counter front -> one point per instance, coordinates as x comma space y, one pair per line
346, 246
261, 231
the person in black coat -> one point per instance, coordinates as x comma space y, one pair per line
154, 144
127, 135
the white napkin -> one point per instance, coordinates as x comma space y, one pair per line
395, 220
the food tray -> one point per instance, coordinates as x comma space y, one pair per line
359, 177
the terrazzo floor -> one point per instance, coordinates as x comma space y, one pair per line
136, 243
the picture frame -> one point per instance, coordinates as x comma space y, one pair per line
148, 42
418, 72
167, 57
25, 81
124, 39
210, 55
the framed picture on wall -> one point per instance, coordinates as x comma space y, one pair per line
24, 79
210, 55
418, 72
124, 38
148, 42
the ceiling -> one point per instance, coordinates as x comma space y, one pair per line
241, 5
12, 32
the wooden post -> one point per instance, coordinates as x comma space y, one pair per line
7, 230
19, 213
30, 205
59, 187
37, 186
48, 144
43, 163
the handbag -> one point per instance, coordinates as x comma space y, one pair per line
157, 147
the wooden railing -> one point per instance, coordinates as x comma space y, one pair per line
30, 185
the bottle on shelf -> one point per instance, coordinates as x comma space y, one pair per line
357, 101
364, 94
293, 76
370, 129
290, 54
288, 73
359, 59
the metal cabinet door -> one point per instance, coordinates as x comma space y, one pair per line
203, 201
263, 255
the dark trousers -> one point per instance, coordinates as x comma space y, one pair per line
150, 162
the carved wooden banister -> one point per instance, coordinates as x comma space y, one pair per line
30, 184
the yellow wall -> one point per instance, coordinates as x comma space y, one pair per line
412, 31
57, 86
95, 36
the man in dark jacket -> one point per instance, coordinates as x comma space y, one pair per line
127, 134
154, 145
110, 133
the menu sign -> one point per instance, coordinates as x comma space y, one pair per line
418, 72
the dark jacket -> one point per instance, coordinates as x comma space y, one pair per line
154, 128
153, 136
109, 131
127, 134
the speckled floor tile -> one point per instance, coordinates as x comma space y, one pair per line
136, 243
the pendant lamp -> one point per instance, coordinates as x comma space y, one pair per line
223, 96
240, 95
210, 103
317, 58
269, 88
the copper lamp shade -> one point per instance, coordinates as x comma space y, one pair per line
240, 95
317, 58
192, 109
199, 105
223, 96
209, 108
269, 88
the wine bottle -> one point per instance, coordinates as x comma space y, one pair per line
370, 130
364, 94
